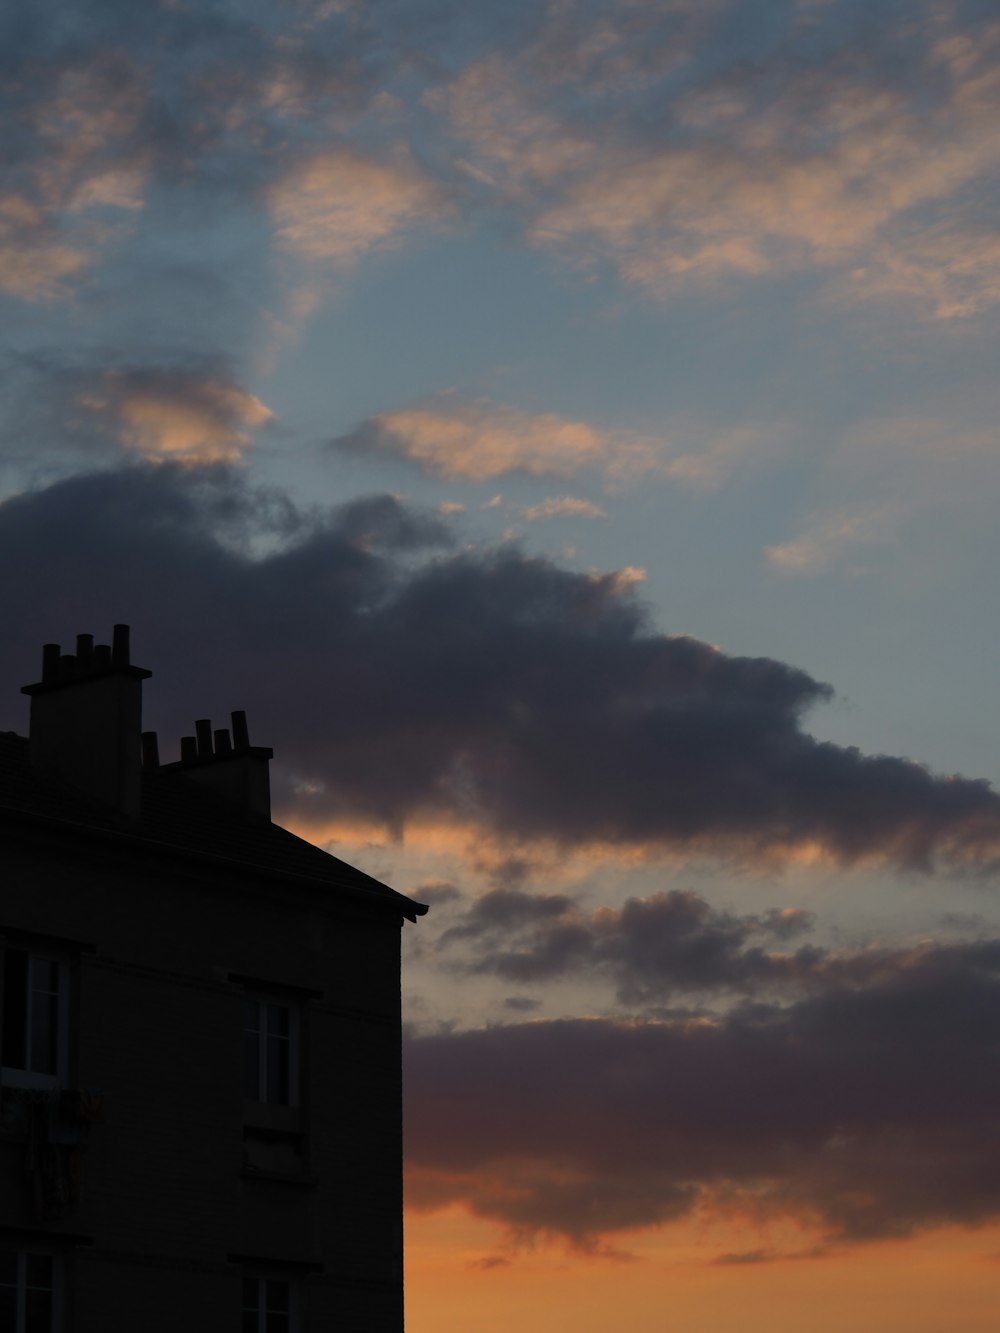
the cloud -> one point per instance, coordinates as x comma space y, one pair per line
833, 534
486, 689
859, 1112
337, 205
190, 409
650, 949
669, 141
34, 262
670, 947
450, 436
763, 1256
74, 170
867, 155
181, 113
457, 438
437, 892
563, 506
185, 414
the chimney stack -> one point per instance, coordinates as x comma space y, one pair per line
86, 720
227, 764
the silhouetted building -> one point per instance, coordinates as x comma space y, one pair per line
200, 1059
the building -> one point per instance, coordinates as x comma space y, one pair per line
200, 1059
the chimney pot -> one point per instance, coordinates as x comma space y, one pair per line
241, 733
102, 657
189, 750
203, 731
150, 750
223, 743
119, 646
50, 662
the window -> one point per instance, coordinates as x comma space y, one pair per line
270, 1051
268, 1305
274, 1139
27, 1292
35, 1014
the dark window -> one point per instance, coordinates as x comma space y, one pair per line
34, 1018
270, 1051
267, 1305
27, 1292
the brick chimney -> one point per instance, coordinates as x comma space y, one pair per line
225, 762
86, 720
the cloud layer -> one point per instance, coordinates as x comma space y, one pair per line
830, 140
861, 1112
485, 688
677, 144
651, 949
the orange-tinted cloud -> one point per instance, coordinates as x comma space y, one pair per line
478, 440
82, 175
336, 205
190, 416
766, 168
455, 437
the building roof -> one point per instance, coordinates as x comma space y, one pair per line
181, 818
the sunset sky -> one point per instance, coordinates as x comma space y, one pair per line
570, 431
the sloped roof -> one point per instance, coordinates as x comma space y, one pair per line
187, 820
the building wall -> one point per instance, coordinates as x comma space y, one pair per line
172, 1216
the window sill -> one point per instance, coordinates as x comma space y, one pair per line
280, 1177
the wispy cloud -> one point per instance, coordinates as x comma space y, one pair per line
828, 164
75, 172
831, 536
466, 439
476, 440
337, 205
563, 506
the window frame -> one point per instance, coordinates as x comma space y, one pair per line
56, 1287
37, 1080
260, 1278
262, 999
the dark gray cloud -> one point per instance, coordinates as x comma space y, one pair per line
403, 679
649, 949
675, 947
437, 892
860, 1112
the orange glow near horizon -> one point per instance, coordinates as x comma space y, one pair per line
478, 845
469, 842
460, 1277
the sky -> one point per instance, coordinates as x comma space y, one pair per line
569, 430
